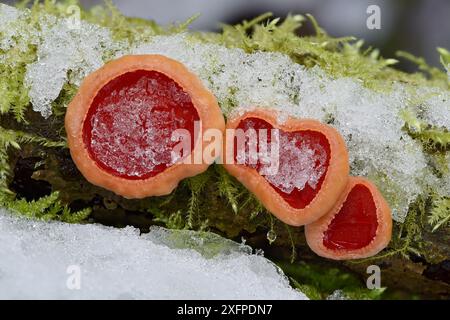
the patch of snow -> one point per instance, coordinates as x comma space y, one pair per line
41, 260
15, 32
8, 15
437, 108
63, 49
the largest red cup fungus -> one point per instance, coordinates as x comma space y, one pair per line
359, 225
312, 167
121, 122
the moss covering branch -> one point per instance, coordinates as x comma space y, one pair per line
215, 201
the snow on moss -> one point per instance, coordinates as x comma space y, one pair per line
8, 15
65, 53
437, 108
370, 121
60, 48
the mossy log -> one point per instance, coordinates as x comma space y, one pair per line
38, 178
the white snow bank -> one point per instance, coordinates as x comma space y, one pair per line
41, 260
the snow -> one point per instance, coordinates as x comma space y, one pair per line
437, 109
42, 260
16, 35
8, 15
62, 48
249, 80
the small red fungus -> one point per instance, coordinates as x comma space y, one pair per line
358, 226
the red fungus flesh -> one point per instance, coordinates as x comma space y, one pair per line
318, 148
129, 126
355, 225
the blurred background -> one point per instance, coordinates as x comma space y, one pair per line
417, 26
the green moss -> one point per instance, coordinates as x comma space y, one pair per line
59, 106
445, 60
46, 208
440, 212
318, 282
427, 70
49, 207
196, 185
13, 139
433, 139
228, 188
339, 57
14, 95
122, 28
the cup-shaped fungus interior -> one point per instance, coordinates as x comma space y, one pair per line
355, 225
129, 126
302, 159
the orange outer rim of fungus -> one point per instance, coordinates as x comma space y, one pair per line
334, 183
164, 182
314, 231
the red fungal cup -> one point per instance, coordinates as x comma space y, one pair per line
358, 226
120, 124
319, 145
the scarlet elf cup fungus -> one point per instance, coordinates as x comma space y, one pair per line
312, 169
121, 122
359, 225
